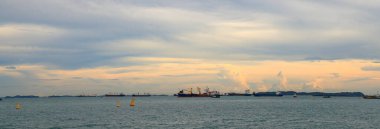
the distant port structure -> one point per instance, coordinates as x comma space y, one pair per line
216, 94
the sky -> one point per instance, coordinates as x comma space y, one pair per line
55, 47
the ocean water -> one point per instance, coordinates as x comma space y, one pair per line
173, 112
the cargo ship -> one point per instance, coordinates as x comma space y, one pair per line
207, 93
115, 95
274, 94
22, 96
247, 93
141, 95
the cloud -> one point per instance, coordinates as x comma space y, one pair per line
11, 67
371, 68
138, 41
243, 30
77, 78
28, 34
313, 85
283, 81
233, 77
359, 79
163, 75
183, 75
50, 79
335, 75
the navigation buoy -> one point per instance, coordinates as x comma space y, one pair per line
18, 106
118, 104
132, 102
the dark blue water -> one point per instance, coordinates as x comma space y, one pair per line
172, 112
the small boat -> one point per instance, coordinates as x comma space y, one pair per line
327, 96
295, 96
215, 96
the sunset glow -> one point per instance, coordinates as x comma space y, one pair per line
95, 47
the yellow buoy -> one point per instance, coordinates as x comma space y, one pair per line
118, 104
132, 102
18, 106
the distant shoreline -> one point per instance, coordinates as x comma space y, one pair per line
284, 93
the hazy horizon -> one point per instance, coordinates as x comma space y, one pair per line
52, 47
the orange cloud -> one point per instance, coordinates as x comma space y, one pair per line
234, 76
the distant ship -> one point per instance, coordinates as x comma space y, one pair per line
274, 94
86, 96
141, 95
247, 93
58, 96
208, 93
22, 96
160, 95
115, 95
372, 96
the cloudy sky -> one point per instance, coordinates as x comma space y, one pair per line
95, 47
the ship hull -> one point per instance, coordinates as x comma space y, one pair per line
114, 95
192, 95
371, 97
236, 94
86, 96
267, 94
141, 95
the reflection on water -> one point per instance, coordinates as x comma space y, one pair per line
172, 112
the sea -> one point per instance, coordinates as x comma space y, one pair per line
240, 112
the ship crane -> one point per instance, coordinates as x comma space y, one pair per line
190, 91
199, 90
207, 90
